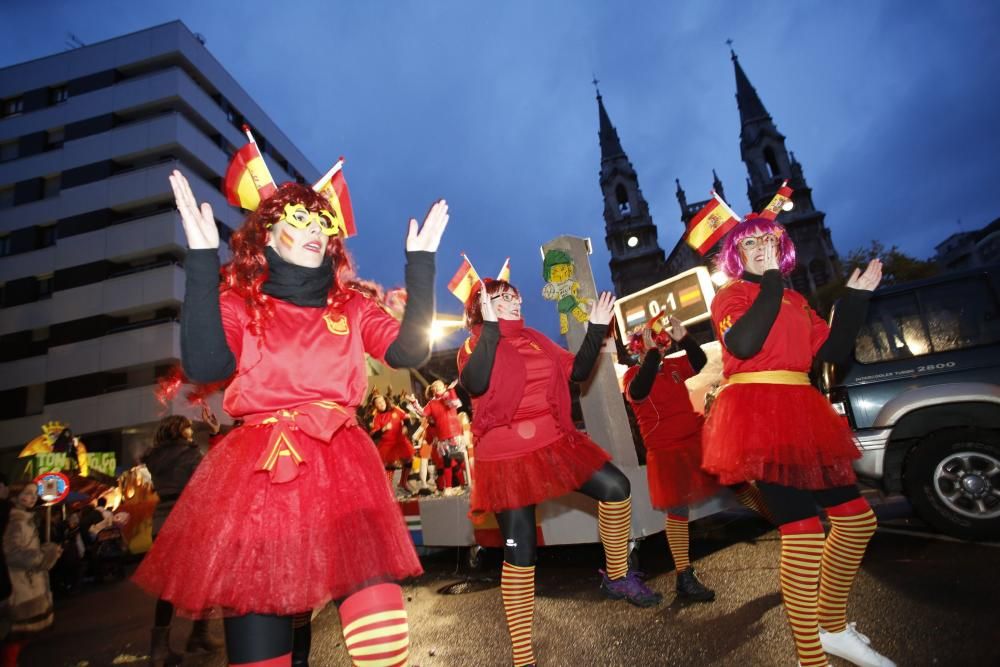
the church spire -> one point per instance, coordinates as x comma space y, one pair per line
750, 106
611, 145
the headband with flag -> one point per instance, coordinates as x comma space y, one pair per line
334, 188
504, 271
464, 280
248, 180
710, 224
782, 201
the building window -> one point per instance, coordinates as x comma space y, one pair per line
819, 272
46, 235
6, 197
52, 184
13, 106
4, 245
8, 151
800, 281
622, 196
772, 162
55, 138
58, 95
45, 284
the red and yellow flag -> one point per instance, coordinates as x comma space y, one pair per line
710, 224
504, 271
247, 179
777, 204
334, 187
464, 280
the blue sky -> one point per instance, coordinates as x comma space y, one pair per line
892, 108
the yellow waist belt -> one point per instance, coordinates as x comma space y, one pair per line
769, 377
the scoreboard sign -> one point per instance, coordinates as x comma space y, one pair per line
687, 296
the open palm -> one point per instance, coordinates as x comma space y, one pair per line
198, 221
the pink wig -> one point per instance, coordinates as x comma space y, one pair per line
729, 260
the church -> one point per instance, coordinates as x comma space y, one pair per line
638, 260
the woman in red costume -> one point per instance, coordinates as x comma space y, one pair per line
528, 449
770, 425
271, 524
671, 432
394, 446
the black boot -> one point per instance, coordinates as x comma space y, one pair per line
689, 588
200, 639
160, 654
301, 643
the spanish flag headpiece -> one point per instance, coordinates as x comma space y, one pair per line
248, 182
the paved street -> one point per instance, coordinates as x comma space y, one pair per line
923, 600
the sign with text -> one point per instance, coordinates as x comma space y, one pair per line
687, 296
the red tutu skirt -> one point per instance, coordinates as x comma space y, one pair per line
675, 475
395, 451
779, 433
238, 543
548, 472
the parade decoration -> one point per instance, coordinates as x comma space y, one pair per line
334, 188
464, 280
43, 444
504, 271
53, 487
248, 181
782, 201
558, 271
710, 224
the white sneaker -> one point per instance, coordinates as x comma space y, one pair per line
854, 647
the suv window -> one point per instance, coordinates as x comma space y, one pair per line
949, 316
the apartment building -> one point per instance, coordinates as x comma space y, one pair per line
91, 246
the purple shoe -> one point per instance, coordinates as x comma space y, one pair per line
631, 588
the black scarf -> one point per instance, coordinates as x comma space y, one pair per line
299, 285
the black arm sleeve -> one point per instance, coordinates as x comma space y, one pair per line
412, 346
642, 383
586, 356
205, 355
748, 334
696, 355
475, 376
848, 317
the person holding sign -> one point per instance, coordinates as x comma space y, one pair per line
528, 449
270, 526
770, 425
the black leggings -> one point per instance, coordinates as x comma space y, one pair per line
788, 504
257, 637
517, 526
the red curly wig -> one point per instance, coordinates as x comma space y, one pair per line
473, 309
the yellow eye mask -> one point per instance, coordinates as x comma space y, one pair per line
298, 216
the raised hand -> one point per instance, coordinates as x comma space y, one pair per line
603, 309
770, 256
868, 280
677, 329
486, 304
428, 236
198, 221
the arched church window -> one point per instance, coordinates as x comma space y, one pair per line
622, 196
800, 281
772, 162
819, 272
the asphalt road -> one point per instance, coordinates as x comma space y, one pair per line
923, 600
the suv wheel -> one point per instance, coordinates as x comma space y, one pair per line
952, 478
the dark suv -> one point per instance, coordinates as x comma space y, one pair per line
923, 397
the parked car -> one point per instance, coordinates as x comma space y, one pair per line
923, 397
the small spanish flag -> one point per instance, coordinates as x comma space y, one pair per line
778, 203
710, 224
247, 179
464, 280
504, 271
334, 187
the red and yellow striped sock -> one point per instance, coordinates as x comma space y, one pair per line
375, 629
749, 496
614, 524
852, 525
801, 553
517, 585
678, 541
